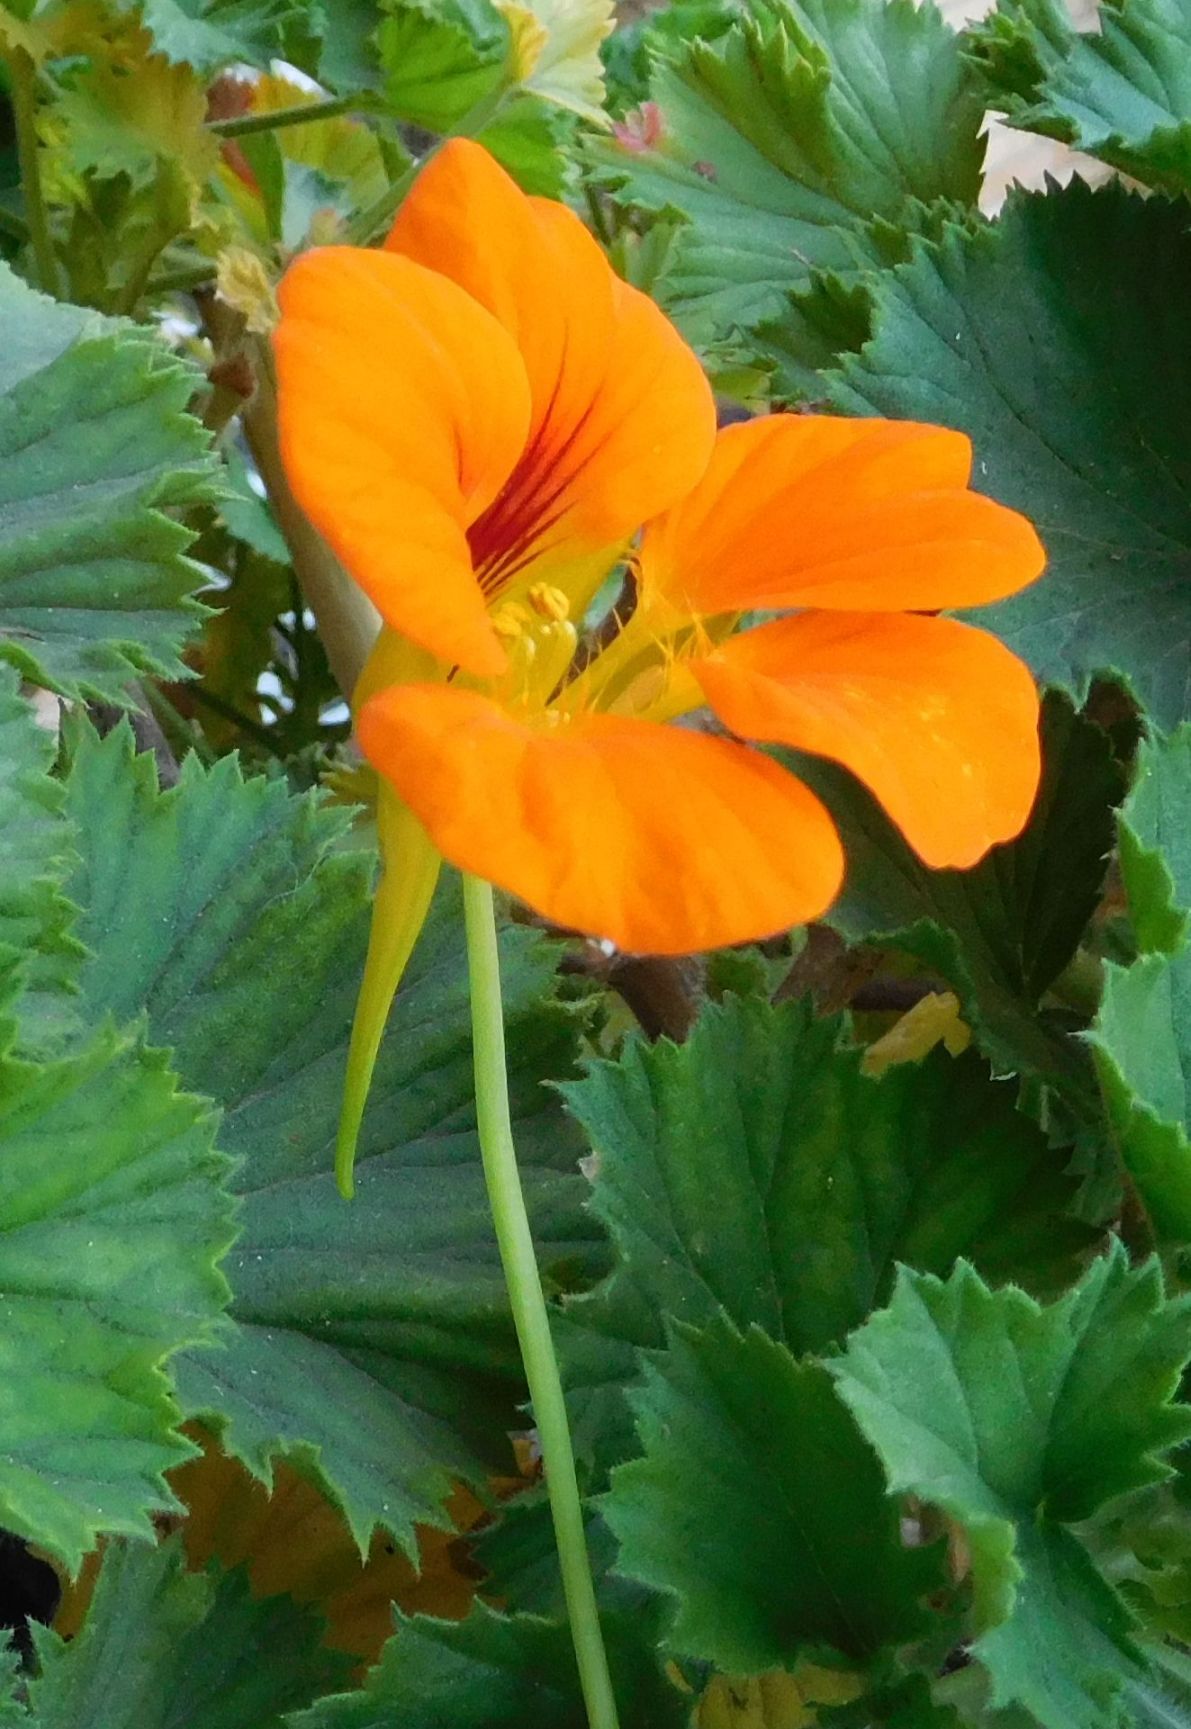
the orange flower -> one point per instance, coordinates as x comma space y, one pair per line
484, 422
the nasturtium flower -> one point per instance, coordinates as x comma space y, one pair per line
484, 421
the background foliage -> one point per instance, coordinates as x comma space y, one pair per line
869, 1272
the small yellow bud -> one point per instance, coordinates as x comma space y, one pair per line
243, 282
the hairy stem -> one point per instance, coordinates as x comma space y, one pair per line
301, 114
528, 1303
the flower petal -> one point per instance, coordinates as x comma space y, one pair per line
403, 408
664, 840
940, 721
813, 510
623, 419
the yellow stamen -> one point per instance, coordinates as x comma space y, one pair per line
549, 602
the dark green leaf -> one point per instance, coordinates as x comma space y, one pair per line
757, 1170
1121, 91
35, 845
94, 442
165, 1649
207, 34
498, 1672
373, 1337
760, 1508
1142, 1041
1056, 340
1019, 1420
783, 139
113, 1218
1155, 829
1002, 932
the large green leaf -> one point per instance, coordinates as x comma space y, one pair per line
1155, 831
373, 1337
498, 1672
1056, 339
113, 1217
783, 139
165, 1649
1121, 91
207, 34
95, 445
1142, 1036
1020, 1421
1002, 932
755, 1169
34, 844
1142, 1040
760, 1508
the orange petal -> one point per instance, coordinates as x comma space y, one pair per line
666, 841
403, 408
622, 420
812, 510
937, 719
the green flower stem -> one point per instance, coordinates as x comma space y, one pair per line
24, 109
369, 222
528, 1303
301, 114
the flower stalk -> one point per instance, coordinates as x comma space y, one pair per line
528, 1303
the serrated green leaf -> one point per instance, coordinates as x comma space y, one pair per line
1018, 1421
441, 57
1055, 339
1121, 91
35, 844
757, 1170
1155, 832
207, 34
781, 140
1142, 1043
131, 118
497, 1672
1001, 932
113, 1217
759, 1507
373, 1338
95, 445
161, 1648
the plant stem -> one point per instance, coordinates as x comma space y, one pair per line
528, 1303
301, 114
24, 109
368, 223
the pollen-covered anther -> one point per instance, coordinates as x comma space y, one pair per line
549, 602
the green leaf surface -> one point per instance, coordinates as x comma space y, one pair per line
1056, 340
208, 34
760, 1508
781, 140
165, 1649
95, 445
757, 1170
1002, 932
1155, 833
35, 843
1018, 1421
440, 58
1121, 91
497, 1672
113, 1217
372, 1337
1142, 1042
